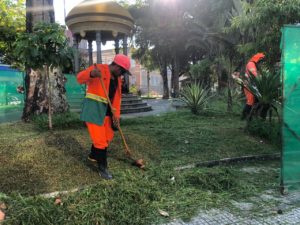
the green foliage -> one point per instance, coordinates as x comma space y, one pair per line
12, 22
195, 96
266, 130
60, 121
261, 22
133, 89
46, 45
202, 72
145, 57
266, 88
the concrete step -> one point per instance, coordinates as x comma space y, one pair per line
130, 98
133, 105
131, 101
136, 110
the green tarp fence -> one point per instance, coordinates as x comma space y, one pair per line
291, 107
75, 93
12, 102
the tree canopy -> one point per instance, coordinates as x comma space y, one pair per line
184, 32
12, 22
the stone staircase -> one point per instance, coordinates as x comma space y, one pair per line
133, 104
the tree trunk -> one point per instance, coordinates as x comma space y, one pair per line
164, 74
29, 16
49, 98
176, 77
219, 75
172, 79
36, 94
58, 96
35, 97
229, 96
148, 83
229, 88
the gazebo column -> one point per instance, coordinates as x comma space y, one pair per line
90, 52
125, 47
117, 46
98, 42
126, 76
76, 54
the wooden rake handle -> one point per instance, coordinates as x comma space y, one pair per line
127, 150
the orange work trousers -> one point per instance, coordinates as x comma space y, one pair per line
250, 97
101, 135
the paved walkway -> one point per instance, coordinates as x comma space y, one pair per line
159, 107
218, 217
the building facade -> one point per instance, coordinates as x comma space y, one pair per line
138, 80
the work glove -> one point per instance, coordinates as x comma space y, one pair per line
115, 123
95, 73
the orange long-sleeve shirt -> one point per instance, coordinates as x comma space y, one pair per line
94, 87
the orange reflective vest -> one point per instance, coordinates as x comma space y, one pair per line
95, 103
250, 69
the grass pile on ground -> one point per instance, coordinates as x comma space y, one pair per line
36, 162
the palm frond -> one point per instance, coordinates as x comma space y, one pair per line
195, 96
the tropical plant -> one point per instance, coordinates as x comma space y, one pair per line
45, 48
195, 96
266, 89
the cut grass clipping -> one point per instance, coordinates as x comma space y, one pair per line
35, 162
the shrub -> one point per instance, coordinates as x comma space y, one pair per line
195, 96
266, 88
268, 130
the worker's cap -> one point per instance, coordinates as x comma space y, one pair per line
257, 57
123, 61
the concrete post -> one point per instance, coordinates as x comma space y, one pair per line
126, 76
117, 46
90, 52
76, 54
98, 42
125, 47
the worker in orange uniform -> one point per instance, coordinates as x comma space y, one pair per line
96, 113
251, 68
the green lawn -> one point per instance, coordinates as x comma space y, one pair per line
34, 162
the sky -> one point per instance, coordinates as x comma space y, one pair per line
59, 9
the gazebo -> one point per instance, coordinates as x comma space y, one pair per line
100, 21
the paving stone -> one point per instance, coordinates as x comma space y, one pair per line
218, 217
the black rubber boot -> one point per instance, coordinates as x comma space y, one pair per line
103, 171
92, 156
102, 164
99, 156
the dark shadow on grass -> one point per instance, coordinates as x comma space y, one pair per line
67, 144
70, 148
22, 178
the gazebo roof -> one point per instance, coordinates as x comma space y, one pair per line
95, 15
